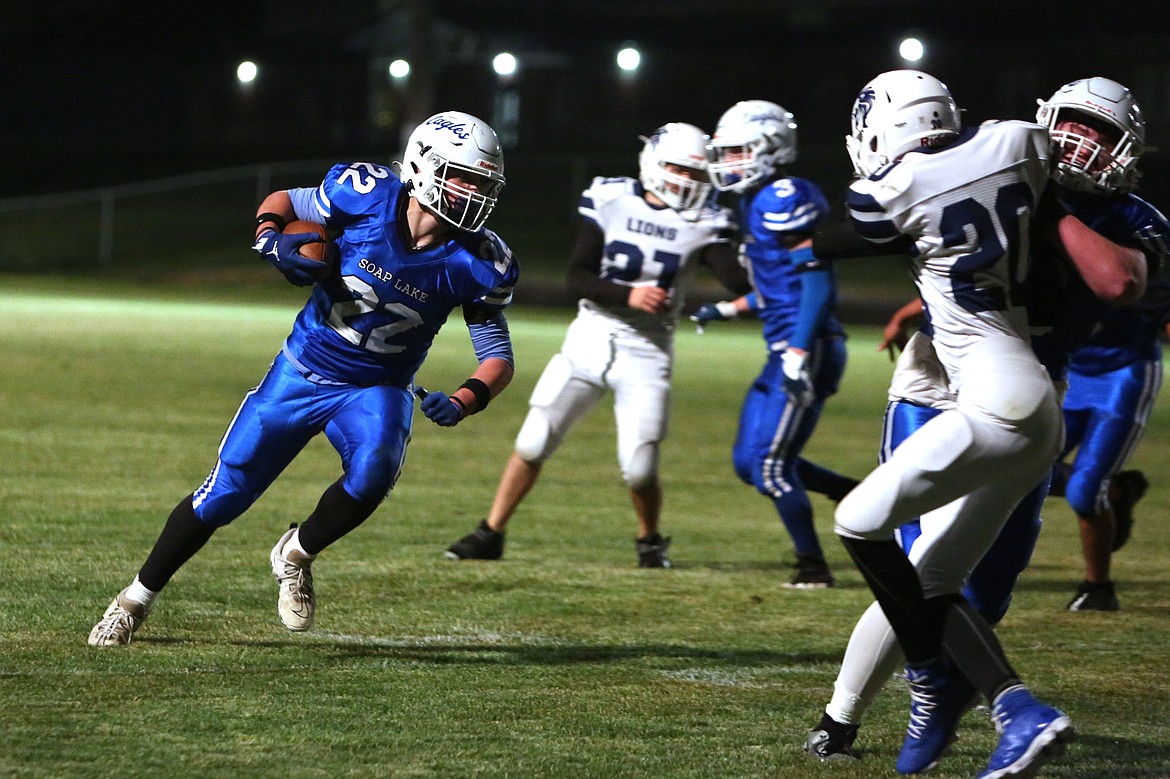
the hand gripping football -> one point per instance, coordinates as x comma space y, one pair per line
324, 251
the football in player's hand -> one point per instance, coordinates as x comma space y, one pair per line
323, 251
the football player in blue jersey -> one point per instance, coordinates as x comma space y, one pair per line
795, 296
640, 243
1115, 370
411, 248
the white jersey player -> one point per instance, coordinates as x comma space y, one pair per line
962, 202
919, 391
640, 242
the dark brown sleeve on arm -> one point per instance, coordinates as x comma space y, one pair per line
584, 275
723, 260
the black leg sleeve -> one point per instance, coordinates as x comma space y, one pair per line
975, 648
816, 478
336, 514
181, 538
895, 585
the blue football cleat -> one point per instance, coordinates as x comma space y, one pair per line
939, 694
1031, 734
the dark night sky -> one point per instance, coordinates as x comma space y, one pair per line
101, 92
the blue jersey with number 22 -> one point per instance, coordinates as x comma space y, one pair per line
373, 321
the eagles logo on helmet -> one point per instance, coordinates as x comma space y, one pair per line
897, 112
454, 167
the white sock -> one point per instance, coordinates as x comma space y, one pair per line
139, 594
871, 657
294, 552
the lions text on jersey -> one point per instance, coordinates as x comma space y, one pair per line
646, 246
373, 321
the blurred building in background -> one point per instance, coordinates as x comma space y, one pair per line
105, 94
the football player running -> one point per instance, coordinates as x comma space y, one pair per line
795, 296
1115, 371
411, 249
639, 244
959, 200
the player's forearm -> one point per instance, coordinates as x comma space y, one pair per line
815, 297
1116, 274
724, 263
584, 272
587, 284
279, 204
494, 373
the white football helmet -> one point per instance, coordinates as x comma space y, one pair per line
444, 155
897, 112
1085, 164
753, 138
679, 144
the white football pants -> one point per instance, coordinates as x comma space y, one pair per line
599, 354
963, 472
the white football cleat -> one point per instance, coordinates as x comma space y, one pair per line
296, 602
117, 625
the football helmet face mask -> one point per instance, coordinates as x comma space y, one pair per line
676, 144
454, 167
753, 139
1099, 134
897, 112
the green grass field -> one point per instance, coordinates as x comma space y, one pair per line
563, 660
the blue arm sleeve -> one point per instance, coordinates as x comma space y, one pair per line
753, 301
816, 290
490, 338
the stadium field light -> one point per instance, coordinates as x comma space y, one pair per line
399, 69
246, 72
911, 49
629, 58
504, 64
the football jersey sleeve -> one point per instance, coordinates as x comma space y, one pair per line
722, 223
493, 268
351, 192
601, 192
1152, 234
791, 205
870, 217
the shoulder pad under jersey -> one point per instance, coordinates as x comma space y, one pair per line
486, 245
353, 190
791, 204
605, 190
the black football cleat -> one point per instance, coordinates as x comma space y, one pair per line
481, 544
